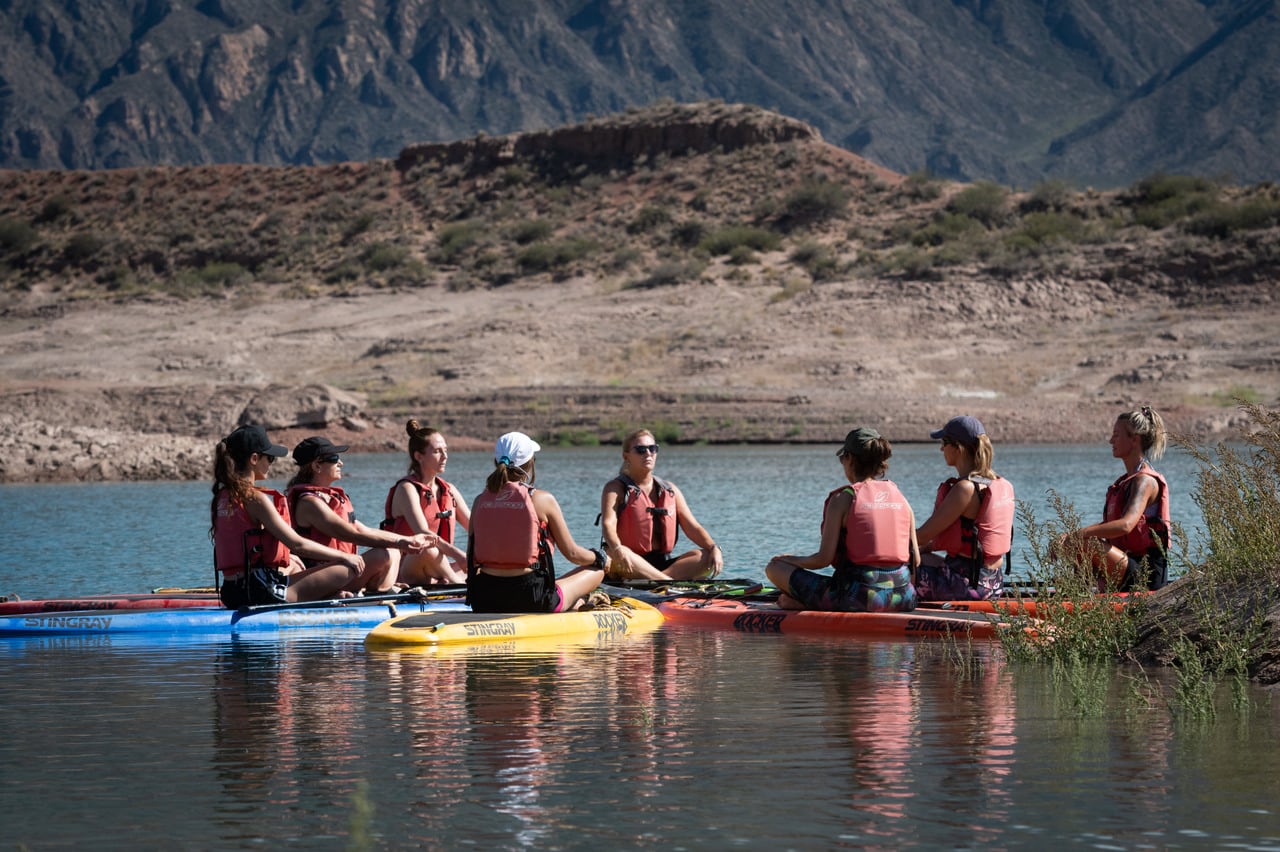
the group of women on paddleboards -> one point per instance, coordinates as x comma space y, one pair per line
884, 563
271, 547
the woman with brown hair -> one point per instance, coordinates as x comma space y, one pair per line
868, 536
255, 548
423, 502
514, 529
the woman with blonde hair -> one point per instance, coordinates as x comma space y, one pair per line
1128, 550
514, 529
972, 520
641, 516
422, 502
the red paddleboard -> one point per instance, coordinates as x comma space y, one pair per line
762, 617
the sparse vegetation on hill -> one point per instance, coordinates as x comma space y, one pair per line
772, 209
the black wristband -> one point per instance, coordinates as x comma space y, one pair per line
599, 562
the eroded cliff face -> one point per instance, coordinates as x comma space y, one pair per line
1096, 92
674, 129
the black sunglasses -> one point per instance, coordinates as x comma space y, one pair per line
329, 459
645, 449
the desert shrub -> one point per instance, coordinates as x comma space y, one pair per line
814, 201
1042, 229
984, 201
54, 208
647, 218
670, 273
530, 231
1221, 220
725, 240
355, 227
909, 261
16, 235
1047, 195
816, 259
380, 257
920, 186
541, 257
947, 226
1160, 200
456, 238
689, 233
83, 247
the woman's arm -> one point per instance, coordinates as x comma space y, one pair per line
1145, 492
262, 511
950, 510
711, 554
549, 512
314, 511
461, 511
832, 524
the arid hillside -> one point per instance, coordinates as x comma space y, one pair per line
715, 271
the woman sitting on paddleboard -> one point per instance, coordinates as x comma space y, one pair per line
514, 529
255, 547
423, 502
1128, 551
868, 536
972, 520
641, 516
322, 512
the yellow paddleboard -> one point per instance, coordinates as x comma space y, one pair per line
627, 615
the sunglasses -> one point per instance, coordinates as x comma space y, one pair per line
329, 459
645, 449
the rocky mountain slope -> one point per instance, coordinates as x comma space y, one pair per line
1095, 92
716, 271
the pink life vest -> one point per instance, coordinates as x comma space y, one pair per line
992, 529
440, 519
644, 525
877, 531
1153, 526
505, 530
240, 542
337, 500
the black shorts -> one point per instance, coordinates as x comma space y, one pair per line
661, 561
259, 587
1153, 568
532, 592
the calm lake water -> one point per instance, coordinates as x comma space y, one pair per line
678, 738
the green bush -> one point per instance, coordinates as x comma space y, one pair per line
813, 202
725, 240
16, 235
1160, 200
380, 257
456, 238
542, 257
946, 228
920, 186
1047, 195
83, 248
670, 273
984, 201
816, 259
1221, 220
531, 230
648, 218
1044, 229
689, 233
55, 208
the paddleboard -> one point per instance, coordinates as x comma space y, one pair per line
314, 615
745, 616
139, 600
628, 615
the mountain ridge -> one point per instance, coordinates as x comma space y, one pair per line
1014, 92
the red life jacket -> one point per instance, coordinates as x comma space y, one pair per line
990, 535
240, 542
440, 519
1153, 526
877, 531
505, 530
644, 525
337, 500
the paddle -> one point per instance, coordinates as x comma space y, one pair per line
417, 594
